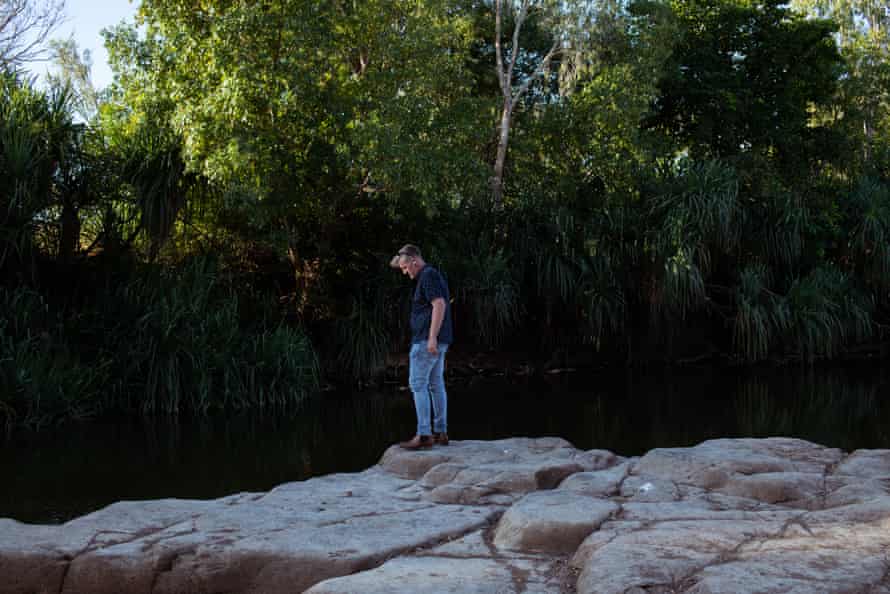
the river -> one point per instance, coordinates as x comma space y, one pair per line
60, 473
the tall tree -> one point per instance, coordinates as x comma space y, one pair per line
864, 39
569, 25
310, 116
742, 80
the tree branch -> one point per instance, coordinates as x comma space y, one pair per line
523, 11
497, 46
539, 71
25, 26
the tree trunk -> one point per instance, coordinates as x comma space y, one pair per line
497, 180
511, 97
69, 236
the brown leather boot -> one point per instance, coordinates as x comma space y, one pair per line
417, 442
440, 438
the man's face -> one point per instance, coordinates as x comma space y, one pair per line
408, 265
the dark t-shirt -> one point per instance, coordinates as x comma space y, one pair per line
430, 285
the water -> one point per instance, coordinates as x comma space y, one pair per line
53, 476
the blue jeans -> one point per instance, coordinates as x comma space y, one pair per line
426, 377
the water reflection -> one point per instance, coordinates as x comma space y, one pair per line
51, 477
845, 410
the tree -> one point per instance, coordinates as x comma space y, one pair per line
742, 81
314, 120
864, 106
569, 24
25, 26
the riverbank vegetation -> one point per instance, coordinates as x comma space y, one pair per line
613, 183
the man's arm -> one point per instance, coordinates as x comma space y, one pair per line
432, 344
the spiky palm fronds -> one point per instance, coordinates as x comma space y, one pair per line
601, 297
682, 287
152, 163
697, 216
41, 379
825, 312
41, 170
870, 236
780, 230
491, 296
179, 344
361, 339
556, 257
760, 315
24, 165
704, 198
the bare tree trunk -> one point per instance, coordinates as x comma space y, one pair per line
497, 181
511, 97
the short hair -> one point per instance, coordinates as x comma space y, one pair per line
410, 250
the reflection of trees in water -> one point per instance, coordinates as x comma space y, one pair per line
757, 411
839, 407
833, 408
605, 429
292, 445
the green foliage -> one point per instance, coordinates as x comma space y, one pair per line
825, 313
361, 340
276, 368
41, 377
173, 343
742, 79
490, 297
26, 118
783, 218
698, 219
869, 216
761, 315
182, 346
602, 302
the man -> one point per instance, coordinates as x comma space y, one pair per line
430, 338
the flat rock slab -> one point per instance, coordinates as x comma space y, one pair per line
551, 521
448, 575
515, 515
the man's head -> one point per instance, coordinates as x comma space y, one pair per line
408, 260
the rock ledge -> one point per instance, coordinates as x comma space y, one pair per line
516, 515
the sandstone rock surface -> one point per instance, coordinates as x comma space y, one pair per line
514, 515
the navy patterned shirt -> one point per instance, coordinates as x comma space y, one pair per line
430, 285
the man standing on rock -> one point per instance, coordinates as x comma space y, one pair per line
430, 338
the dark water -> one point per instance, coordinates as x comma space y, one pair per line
53, 476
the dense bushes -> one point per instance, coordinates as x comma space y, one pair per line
107, 325
172, 341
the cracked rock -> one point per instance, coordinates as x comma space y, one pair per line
515, 515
